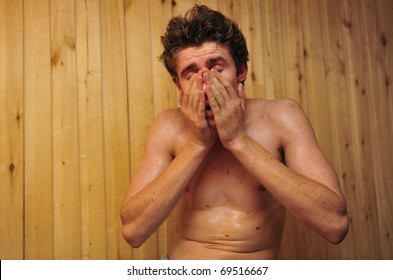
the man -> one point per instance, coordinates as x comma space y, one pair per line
239, 163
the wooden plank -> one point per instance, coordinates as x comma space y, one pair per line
292, 38
267, 65
337, 88
116, 129
252, 29
385, 21
379, 111
164, 90
315, 70
275, 46
12, 130
38, 132
66, 195
363, 216
90, 114
385, 192
342, 85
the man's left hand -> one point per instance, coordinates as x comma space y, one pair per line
227, 105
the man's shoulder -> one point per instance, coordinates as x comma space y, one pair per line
169, 116
168, 129
282, 115
170, 120
283, 118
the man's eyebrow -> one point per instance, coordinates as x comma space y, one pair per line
216, 60
188, 68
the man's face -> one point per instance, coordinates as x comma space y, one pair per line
209, 55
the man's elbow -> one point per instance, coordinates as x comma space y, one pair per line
131, 233
133, 237
338, 230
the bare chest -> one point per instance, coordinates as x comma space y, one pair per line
222, 181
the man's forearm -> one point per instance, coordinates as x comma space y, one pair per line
144, 212
318, 206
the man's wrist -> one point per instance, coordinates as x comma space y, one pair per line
198, 147
238, 143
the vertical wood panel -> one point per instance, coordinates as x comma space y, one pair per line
293, 54
275, 46
11, 130
336, 73
385, 193
90, 111
39, 224
381, 150
115, 100
250, 24
66, 192
365, 218
315, 73
164, 90
267, 66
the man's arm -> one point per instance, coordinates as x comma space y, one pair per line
158, 183
307, 185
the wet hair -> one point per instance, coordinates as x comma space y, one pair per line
199, 25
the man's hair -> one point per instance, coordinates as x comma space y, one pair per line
202, 24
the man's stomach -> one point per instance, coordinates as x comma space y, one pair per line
226, 233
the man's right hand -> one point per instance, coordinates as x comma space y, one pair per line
193, 106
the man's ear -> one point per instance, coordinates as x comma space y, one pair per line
242, 74
177, 83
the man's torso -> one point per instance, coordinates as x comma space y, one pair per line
229, 214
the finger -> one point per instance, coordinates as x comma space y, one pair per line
214, 105
201, 109
186, 94
190, 91
196, 99
216, 90
224, 84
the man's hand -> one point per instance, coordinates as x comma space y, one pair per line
228, 106
194, 108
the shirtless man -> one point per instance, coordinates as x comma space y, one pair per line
240, 163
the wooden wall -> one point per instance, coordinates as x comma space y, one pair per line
80, 84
